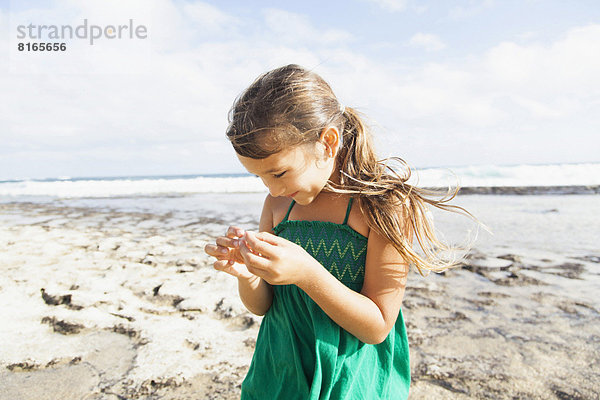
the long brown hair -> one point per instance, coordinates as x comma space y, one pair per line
290, 106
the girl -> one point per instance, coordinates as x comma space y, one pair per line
328, 267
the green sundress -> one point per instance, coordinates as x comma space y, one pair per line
301, 353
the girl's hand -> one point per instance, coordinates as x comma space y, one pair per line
227, 252
275, 259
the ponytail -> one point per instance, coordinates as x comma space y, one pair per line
394, 209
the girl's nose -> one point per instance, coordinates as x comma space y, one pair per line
276, 190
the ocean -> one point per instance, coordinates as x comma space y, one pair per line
481, 179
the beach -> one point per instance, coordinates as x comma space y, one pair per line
114, 298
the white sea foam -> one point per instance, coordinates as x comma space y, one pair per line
127, 187
467, 176
518, 175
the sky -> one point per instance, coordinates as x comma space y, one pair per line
441, 83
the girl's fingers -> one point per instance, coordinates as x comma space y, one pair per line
268, 237
216, 251
253, 260
220, 265
227, 242
237, 270
223, 253
235, 232
255, 245
232, 239
267, 248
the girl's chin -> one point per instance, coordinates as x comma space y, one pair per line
298, 198
303, 200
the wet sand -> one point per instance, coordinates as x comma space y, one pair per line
100, 303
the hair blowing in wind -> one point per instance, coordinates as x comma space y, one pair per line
290, 106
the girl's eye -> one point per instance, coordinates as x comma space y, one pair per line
279, 175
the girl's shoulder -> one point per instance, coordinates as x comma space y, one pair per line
330, 208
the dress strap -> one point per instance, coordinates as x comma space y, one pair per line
289, 209
348, 210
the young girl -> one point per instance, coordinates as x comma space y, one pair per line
328, 267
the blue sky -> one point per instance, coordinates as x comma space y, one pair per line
442, 83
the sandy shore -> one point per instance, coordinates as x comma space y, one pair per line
105, 304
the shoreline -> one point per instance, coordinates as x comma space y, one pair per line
52, 195
530, 190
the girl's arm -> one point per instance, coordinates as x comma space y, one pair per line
256, 293
370, 314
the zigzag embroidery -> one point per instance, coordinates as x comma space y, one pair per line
334, 270
310, 246
333, 257
322, 243
335, 245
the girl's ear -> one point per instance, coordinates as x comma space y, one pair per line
331, 138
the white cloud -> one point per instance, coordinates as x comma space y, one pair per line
567, 67
471, 9
292, 28
533, 96
179, 89
428, 41
116, 96
391, 5
207, 17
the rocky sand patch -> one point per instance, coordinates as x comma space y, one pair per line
105, 304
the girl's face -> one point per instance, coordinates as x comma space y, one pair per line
300, 172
